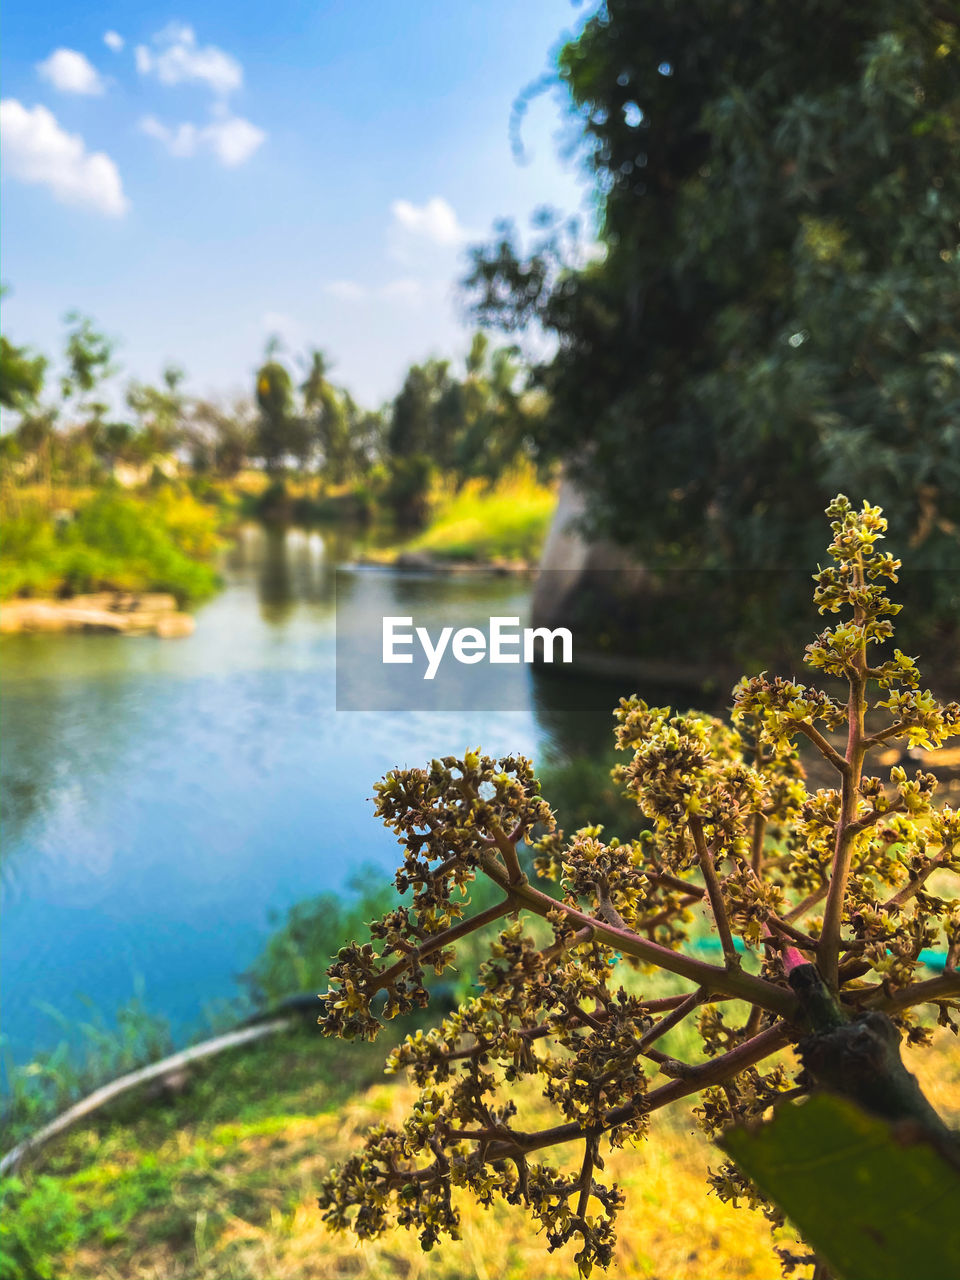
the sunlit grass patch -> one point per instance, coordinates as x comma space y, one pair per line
480, 522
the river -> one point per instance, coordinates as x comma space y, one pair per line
165, 800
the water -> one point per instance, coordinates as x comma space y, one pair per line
164, 800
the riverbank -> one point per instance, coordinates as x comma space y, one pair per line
107, 611
218, 1177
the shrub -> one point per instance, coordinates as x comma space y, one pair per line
480, 521
114, 542
830, 892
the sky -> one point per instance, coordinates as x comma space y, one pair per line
198, 179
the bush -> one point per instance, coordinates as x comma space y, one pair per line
114, 542
507, 520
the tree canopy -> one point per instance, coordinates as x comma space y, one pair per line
777, 314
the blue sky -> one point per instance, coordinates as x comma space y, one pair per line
211, 174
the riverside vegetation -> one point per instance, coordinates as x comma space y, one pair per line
91, 504
833, 894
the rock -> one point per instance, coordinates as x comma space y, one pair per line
570, 561
174, 626
104, 611
415, 560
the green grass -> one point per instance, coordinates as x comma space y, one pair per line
130, 1180
505, 521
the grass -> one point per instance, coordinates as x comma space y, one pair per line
219, 1182
215, 1179
160, 540
507, 520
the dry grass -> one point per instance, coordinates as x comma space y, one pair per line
243, 1196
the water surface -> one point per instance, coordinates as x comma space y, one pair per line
163, 799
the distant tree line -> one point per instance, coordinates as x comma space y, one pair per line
297, 421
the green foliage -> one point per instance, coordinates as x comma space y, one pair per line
507, 520
276, 427
822, 902
407, 490
298, 953
21, 375
142, 1176
830, 1152
161, 412
776, 313
37, 1224
479, 426
88, 354
587, 795
115, 541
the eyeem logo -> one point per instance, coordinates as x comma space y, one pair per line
505, 643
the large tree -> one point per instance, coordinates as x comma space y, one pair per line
277, 426
777, 314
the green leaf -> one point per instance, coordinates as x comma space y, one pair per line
872, 1199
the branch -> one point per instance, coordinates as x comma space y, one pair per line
607, 909
946, 984
824, 747
756, 842
828, 950
440, 940
714, 891
891, 731
809, 901
676, 1016
731, 982
509, 851
697, 1078
912, 885
862, 824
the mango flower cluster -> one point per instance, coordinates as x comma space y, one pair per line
843, 883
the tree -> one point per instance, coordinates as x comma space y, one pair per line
474, 427
275, 428
21, 376
161, 411
498, 421
21, 373
426, 414
777, 313
822, 902
88, 354
326, 410
221, 438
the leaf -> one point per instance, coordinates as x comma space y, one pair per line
873, 1202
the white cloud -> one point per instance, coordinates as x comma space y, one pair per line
434, 220
181, 141
113, 41
231, 139
176, 58
70, 72
36, 150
